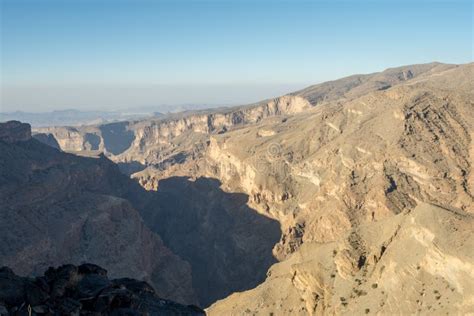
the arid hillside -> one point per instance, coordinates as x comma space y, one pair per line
375, 199
369, 178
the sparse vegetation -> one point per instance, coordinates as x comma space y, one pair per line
360, 292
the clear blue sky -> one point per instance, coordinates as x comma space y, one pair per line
116, 53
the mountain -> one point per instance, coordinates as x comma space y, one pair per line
152, 141
362, 186
78, 118
375, 198
73, 117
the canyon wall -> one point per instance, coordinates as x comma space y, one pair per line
59, 208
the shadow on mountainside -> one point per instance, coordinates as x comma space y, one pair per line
129, 168
47, 139
228, 244
117, 137
58, 208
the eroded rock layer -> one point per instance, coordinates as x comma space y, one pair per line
423, 258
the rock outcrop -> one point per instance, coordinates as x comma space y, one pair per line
14, 131
82, 290
423, 258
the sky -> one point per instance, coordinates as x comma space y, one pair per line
116, 54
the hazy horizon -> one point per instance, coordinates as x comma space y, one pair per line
110, 55
97, 97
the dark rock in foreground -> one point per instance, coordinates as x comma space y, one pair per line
14, 131
82, 290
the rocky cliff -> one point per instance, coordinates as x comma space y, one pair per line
348, 181
346, 162
151, 142
423, 258
82, 290
340, 165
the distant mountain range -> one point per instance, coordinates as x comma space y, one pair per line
73, 117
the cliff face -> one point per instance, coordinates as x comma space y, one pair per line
348, 181
174, 138
144, 141
423, 258
340, 165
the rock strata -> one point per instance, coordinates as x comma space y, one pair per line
423, 258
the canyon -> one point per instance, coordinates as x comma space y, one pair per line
61, 208
353, 196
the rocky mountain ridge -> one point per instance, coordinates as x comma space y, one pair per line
150, 142
363, 161
343, 163
338, 165
381, 176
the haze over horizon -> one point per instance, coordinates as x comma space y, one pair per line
104, 55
